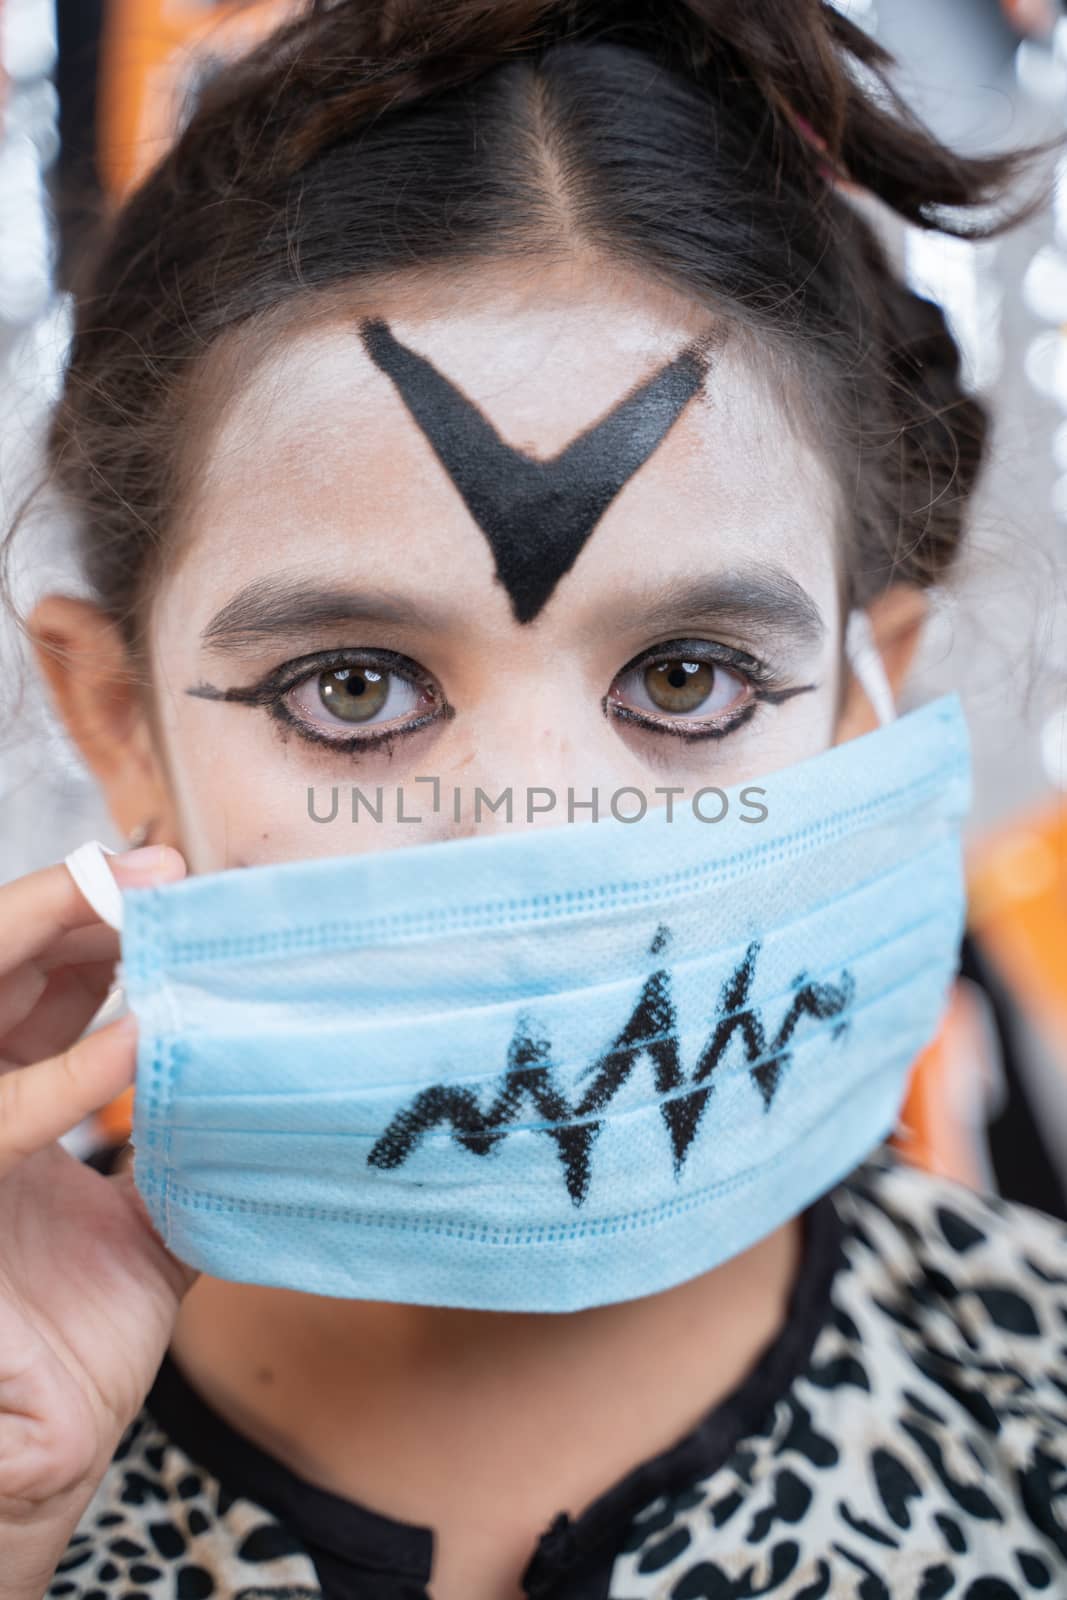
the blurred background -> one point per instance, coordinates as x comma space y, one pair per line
92, 90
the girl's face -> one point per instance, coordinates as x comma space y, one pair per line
333, 617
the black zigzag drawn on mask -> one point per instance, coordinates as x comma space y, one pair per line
536, 515
652, 1030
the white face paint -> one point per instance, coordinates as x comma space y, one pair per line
694, 641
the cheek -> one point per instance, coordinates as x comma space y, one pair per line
774, 737
228, 805
245, 795
239, 793
801, 728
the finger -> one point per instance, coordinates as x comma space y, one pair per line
39, 1104
22, 989
42, 906
97, 943
66, 1003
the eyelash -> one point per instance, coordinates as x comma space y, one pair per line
271, 692
764, 683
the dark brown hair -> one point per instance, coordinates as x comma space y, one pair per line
368, 137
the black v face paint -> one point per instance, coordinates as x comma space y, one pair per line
536, 515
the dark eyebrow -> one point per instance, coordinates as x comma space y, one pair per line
765, 597
275, 605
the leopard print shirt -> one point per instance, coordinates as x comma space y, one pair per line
920, 1453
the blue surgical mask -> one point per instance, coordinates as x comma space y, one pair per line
552, 1068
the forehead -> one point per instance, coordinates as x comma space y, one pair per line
311, 442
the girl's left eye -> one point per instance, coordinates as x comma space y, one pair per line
345, 698
679, 688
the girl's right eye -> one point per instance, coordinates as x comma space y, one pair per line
360, 695
344, 698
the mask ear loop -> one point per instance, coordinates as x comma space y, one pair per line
96, 881
866, 662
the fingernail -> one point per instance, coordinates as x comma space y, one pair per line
147, 862
141, 857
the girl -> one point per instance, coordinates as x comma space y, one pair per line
510, 398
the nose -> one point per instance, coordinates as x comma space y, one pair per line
530, 773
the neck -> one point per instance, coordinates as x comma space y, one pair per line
395, 1405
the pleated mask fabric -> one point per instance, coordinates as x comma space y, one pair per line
550, 1068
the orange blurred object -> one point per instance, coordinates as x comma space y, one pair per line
1018, 892
942, 1122
1037, 17
115, 1122
154, 53
1017, 912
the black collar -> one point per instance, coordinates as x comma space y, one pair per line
359, 1550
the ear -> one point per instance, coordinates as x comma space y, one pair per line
104, 705
896, 618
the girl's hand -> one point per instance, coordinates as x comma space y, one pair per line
88, 1292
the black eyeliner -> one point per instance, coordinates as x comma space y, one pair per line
776, 696
694, 731
761, 681
690, 733
292, 673
707, 650
269, 691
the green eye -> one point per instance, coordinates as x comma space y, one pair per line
353, 694
678, 686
